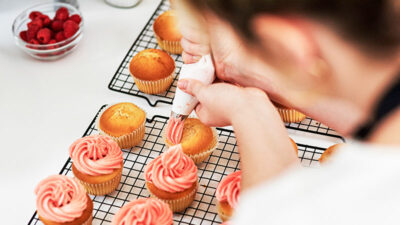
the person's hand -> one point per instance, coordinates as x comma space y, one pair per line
220, 104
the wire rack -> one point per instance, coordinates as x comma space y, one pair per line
123, 82
224, 160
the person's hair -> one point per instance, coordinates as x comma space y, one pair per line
374, 24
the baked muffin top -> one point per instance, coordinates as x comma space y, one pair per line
165, 26
151, 64
122, 118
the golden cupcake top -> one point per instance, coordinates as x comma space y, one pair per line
122, 118
165, 26
329, 152
196, 137
151, 64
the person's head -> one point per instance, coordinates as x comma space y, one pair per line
334, 48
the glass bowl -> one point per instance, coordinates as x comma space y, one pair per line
47, 51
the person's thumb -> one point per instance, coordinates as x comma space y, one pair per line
190, 86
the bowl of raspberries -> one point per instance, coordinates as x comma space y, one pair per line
48, 31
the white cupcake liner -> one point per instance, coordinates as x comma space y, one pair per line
102, 188
290, 115
173, 47
154, 86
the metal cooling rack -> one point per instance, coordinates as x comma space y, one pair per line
123, 82
224, 160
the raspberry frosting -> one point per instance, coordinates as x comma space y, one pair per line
174, 130
229, 188
172, 171
144, 211
96, 155
60, 198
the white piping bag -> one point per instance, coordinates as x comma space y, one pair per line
183, 103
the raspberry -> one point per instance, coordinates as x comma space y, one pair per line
44, 35
70, 28
46, 20
23, 35
37, 21
61, 14
59, 36
31, 32
57, 25
34, 42
34, 14
52, 41
76, 18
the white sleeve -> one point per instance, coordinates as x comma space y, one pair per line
361, 185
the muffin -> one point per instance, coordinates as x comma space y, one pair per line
62, 200
124, 122
172, 178
144, 211
152, 70
97, 163
198, 141
227, 194
294, 146
166, 31
289, 115
327, 154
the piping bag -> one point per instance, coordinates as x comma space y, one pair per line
183, 103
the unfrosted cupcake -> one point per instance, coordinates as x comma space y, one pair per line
124, 122
198, 141
289, 115
97, 163
144, 211
294, 146
172, 178
61, 200
327, 154
227, 194
153, 71
167, 32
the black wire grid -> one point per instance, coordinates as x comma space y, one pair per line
123, 82
224, 160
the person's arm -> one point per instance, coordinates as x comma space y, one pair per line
264, 146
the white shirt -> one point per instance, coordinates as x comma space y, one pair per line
359, 185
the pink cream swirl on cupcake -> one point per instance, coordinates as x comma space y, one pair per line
144, 211
60, 198
96, 155
229, 188
172, 171
174, 130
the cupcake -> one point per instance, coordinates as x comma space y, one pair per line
152, 70
289, 115
198, 141
227, 194
172, 178
294, 146
327, 154
124, 122
63, 200
144, 211
97, 163
167, 33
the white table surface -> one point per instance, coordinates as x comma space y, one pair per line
45, 106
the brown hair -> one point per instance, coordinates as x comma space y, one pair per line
375, 24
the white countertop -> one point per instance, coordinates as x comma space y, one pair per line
45, 106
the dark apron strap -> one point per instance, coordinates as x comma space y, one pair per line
389, 102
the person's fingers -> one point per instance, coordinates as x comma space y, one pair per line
189, 59
194, 48
202, 114
193, 35
192, 87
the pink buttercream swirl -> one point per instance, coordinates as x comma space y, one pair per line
144, 211
229, 188
172, 171
60, 198
174, 130
96, 155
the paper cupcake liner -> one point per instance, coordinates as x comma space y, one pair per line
173, 47
102, 188
290, 115
199, 157
180, 204
224, 217
154, 86
125, 141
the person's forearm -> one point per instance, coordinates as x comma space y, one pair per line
264, 147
